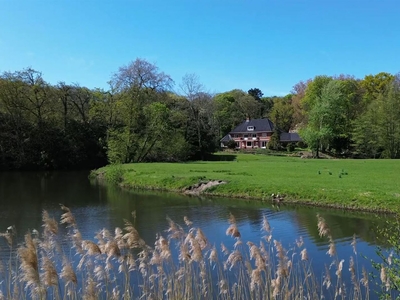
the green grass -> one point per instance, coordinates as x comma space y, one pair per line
356, 184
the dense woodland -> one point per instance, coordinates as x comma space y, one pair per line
145, 116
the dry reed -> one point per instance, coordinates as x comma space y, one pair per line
122, 266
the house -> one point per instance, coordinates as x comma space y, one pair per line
256, 133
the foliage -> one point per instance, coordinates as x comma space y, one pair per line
331, 109
274, 141
115, 174
256, 93
389, 266
376, 131
282, 113
231, 144
66, 126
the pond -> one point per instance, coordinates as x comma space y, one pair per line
24, 196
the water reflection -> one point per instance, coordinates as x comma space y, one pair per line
23, 197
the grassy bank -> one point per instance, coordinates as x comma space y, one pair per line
353, 184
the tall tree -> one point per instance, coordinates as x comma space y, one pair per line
136, 86
282, 113
298, 92
255, 93
390, 123
375, 85
199, 127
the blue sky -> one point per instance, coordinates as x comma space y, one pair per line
268, 44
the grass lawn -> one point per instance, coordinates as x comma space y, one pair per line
357, 184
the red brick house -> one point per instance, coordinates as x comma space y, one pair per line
256, 133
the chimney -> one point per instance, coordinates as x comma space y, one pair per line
247, 119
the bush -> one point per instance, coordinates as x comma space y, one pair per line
231, 144
290, 147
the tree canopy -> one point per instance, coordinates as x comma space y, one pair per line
140, 118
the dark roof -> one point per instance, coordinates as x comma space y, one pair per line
226, 138
290, 137
258, 124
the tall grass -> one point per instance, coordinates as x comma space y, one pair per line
181, 264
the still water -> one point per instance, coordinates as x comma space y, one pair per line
24, 196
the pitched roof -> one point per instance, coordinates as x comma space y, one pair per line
290, 137
226, 138
258, 125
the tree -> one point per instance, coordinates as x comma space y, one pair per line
64, 95
134, 88
298, 92
256, 94
156, 127
377, 130
141, 74
390, 123
199, 128
375, 85
282, 113
366, 132
313, 92
324, 113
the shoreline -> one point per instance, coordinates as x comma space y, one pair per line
353, 185
286, 200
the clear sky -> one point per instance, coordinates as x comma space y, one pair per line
229, 44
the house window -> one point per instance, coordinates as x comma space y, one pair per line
263, 144
254, 135
250, 128
264, 134
237, 145
249, 144
246, 135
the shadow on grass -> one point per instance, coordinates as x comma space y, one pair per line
220, 157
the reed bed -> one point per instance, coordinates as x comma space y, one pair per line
181, 264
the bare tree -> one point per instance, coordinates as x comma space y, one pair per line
200, 104
191, 86
141, 74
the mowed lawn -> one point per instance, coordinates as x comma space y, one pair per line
369, 184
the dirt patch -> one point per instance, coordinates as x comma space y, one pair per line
200, 187
309, 154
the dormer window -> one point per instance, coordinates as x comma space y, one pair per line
250, 128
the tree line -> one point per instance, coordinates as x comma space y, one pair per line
144, 116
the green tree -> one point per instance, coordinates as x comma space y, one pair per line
298, 93
374, 85
330, 108
231, 108
390, 123
134, 88
313, 92
256, 94
282, 113
377, 130
366, 132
